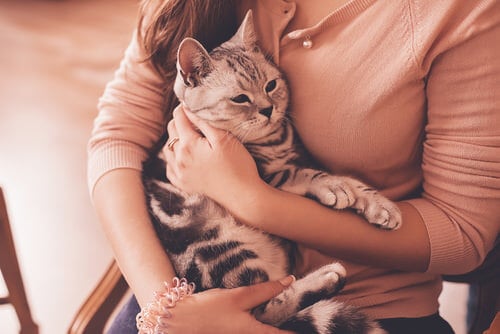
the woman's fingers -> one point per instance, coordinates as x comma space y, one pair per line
186, 131
171, 129
187, 126
254, 295
212, 134
168, 149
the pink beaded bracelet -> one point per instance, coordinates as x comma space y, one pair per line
153, 317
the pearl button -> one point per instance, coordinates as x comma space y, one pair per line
307, 43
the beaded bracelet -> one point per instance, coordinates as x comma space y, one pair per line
153, 317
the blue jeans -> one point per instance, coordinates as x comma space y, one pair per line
433, 324
124, 322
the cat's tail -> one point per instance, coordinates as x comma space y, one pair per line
330, 317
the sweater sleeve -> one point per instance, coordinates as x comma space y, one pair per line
461, 154
130, 119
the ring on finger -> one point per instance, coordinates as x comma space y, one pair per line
171, 142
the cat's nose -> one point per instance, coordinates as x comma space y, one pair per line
266, 111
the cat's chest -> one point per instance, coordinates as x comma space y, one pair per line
275, 161
277, 155
275, 164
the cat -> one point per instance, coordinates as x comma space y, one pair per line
237, 88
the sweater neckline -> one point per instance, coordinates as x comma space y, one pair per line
343, 13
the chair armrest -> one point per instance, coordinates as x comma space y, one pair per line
95, 312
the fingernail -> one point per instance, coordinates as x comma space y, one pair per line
286, 281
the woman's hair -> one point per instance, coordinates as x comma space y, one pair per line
163, 24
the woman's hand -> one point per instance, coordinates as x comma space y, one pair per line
225, 310
213, 163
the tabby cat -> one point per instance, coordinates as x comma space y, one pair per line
238, 89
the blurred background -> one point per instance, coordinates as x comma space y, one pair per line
55, 58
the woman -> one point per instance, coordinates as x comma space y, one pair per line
403, 95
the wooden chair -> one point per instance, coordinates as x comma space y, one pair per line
94, 314
11, 273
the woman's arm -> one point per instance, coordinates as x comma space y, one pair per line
129, 122
221, 168
341, 234
120, 205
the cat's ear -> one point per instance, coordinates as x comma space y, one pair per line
193, 61
246, 32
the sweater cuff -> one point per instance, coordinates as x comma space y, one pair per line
443, 234
111, 155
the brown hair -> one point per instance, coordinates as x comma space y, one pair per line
164, 23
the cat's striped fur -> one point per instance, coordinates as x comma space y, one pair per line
236, 88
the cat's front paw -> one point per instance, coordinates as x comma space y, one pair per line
380, 211
334, 192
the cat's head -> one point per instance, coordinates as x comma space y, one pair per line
235, 87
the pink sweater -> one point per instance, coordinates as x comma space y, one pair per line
403, 94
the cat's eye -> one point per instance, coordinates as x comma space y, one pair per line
270, 86
242, 98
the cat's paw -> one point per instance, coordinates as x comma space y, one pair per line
323, 282
334, 192
320, 284
380, 211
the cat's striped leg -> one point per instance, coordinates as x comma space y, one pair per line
330, 190
331, 317
340, 192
